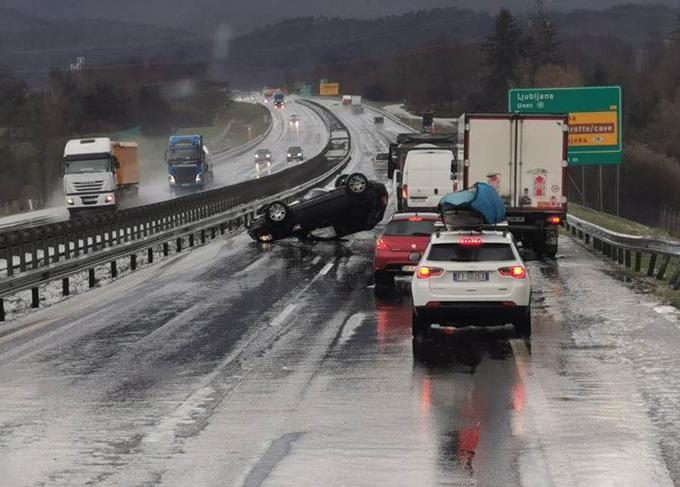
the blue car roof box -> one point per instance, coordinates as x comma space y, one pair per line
481, 204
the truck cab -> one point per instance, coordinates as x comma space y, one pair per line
187, 160
96, 173
279, 99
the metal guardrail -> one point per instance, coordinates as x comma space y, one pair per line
646, 254
58, 251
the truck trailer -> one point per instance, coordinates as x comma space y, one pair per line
98, 173
524, 157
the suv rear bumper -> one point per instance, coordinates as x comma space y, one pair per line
462, 314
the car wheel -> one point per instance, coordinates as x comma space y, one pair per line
341, 180
356, 183
550, 251
419, 327
523, 325
277, 213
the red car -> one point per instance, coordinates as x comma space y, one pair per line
399, 248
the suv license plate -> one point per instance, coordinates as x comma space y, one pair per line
470, 276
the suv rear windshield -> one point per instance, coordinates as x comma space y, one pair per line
422, 228
495, 252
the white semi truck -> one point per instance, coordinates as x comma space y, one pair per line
98, 172
524, 157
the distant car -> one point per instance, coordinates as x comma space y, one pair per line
381, 158
294, 153
401, 245
470, 278
263, 160
379, 120
294, 119
356, 204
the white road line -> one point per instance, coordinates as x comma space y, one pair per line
325, 269
316, 260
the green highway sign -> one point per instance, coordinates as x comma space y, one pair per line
594, 119
306, 90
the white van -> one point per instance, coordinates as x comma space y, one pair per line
428, 175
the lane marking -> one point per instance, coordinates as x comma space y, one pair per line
316, 260
326, 269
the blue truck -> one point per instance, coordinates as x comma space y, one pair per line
188, 162
279, 99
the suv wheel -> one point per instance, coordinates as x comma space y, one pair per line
356, 183
523, 325
277, 213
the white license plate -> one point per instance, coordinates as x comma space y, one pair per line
515, 219
408, 268
470, 276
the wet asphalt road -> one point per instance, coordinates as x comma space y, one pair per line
246, 365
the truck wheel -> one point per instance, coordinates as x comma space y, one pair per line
523, 325
356, 183
277, 213
550, 251
341, 180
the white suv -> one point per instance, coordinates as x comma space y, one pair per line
470, 279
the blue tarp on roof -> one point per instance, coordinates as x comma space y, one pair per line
481, 198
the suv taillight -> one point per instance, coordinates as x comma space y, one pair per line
425, 272
516, 272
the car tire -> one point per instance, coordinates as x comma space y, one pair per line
384, 282
550, 251
340, 181
419, 327
357, 184
277, 213
523, 325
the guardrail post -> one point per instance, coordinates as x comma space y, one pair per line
133, 262
580, 234
213, 233
114, 269
35, 297
65, 288
149, 255
191, 239
202, 236
9, 258
166, 249
91, 280
2, 309
674, 281
652, 265
222, 229
627, 258
178, 244
664, 265
620, 256
597, 243
638, 261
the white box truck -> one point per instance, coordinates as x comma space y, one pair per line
523, 156
357, 107
98, 172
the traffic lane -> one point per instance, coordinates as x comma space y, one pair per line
110, 378
341, 401
311, 134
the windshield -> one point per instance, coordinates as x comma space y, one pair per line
87, 166
403, 228
182, 154
458, 253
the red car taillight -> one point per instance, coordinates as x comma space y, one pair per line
425, 272
381, 245
516, 272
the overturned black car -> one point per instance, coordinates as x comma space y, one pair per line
356, 204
